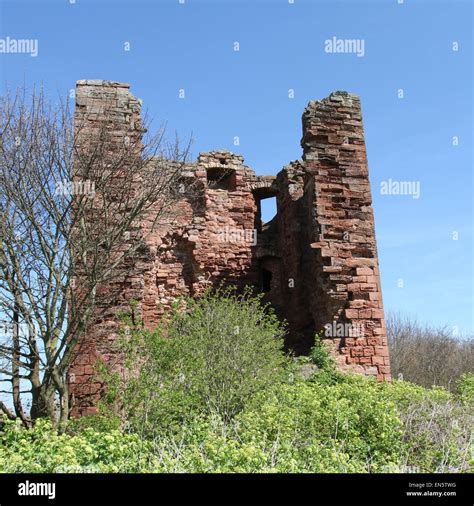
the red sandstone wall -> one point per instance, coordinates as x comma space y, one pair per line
96, 103
343, 258
320, 248
203, 245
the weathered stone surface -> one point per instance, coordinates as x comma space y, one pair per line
316, 260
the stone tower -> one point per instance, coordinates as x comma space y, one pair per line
316, 260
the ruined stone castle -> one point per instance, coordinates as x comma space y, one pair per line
316, 260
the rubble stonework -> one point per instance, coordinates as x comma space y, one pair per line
316, 260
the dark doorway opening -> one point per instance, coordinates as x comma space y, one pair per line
266, 280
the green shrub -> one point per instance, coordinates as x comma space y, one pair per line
465, 387
207, 356
43, 449
98, 422
325, 428
320, 354
206, 445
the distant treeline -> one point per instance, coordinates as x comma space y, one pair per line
428, 355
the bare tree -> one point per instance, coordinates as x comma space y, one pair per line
69, 195
427, 355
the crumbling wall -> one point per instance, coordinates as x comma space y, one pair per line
342, 253
297, 286
100, 103
316, 260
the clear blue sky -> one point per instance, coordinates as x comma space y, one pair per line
244, 93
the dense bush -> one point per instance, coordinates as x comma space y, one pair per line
330, 423
43, 449
346, 427
207, 357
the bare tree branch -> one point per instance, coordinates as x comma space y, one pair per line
68, 196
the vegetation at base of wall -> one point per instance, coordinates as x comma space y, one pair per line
276, 414
349, 424
320, 354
